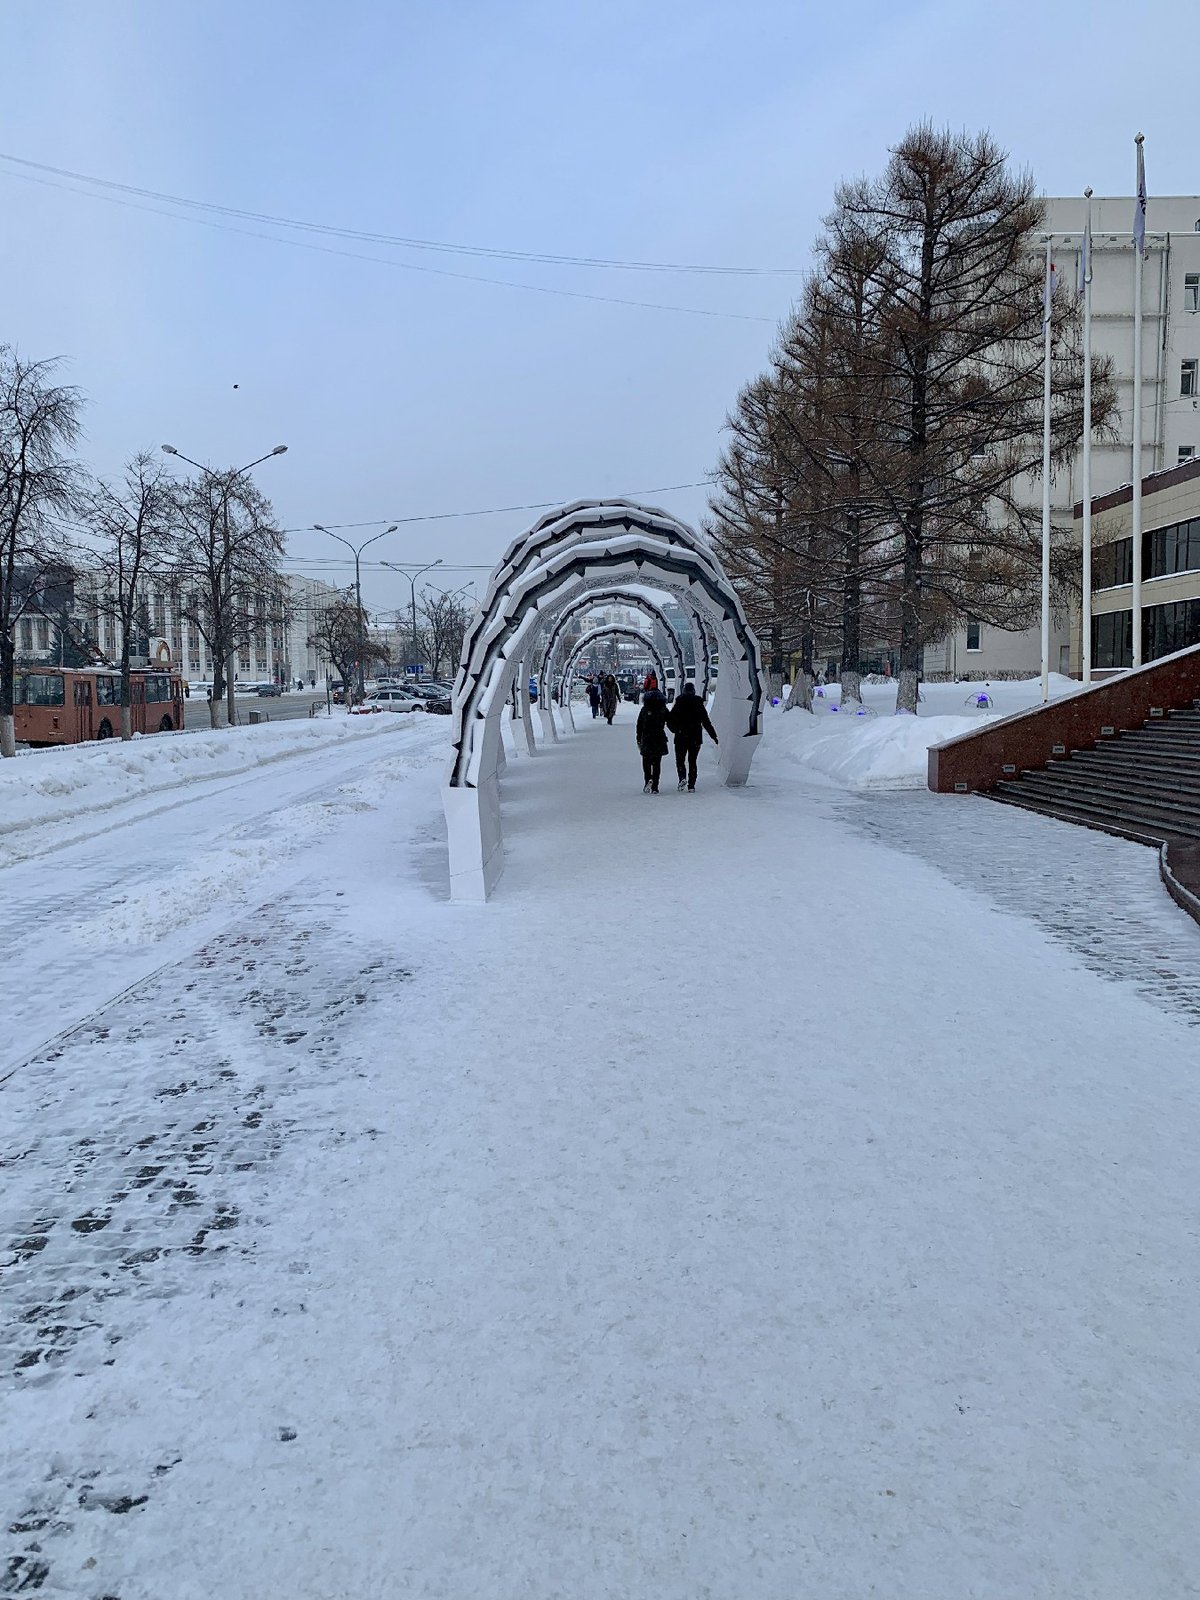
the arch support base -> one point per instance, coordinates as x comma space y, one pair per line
473, 838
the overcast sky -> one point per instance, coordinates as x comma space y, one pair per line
679, 131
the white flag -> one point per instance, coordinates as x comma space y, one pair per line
1085, 254
1139, 209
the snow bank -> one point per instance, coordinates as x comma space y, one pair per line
863, 752
47, 786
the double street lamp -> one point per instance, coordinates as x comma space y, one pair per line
403, 571
237, 472
356, 551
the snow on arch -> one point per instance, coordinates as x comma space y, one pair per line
588, 544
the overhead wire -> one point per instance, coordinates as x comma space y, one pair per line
384, 261
400, 241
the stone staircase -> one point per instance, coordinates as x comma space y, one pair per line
1143, 785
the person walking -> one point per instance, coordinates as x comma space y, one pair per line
610, 698
688, 720
593, 694
652, 735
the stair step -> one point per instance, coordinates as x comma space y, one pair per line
1153, 819
1144, 786
1080, 816
1118, 759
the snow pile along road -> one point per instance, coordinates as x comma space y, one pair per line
49, 786
863, 752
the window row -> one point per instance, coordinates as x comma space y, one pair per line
1164, 629
1164, 551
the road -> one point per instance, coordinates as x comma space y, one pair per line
287, 706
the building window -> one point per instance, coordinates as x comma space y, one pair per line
973, 636
1186, 453
1189, 371
1191, 291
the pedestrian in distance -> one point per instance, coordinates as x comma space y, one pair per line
610, 698
593, 694
688, 721
652, 734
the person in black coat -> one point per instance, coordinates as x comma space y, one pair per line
593, 694
688, 720
652, 737
610, 698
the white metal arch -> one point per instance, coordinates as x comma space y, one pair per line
608, 630
601, 597
588, 544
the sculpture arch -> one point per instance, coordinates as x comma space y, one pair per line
579, 548
599, 597
608, 630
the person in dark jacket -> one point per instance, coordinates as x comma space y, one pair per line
610, 698
688, 720
652, 737
593, 694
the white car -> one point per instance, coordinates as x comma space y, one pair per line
392, 700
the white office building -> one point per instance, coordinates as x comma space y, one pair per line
1170, 381
277, 649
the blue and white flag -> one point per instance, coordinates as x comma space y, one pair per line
1139, 209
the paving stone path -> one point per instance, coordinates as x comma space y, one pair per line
1100, 895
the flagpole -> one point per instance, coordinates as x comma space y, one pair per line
1139, 247
1046, 477
1086, 630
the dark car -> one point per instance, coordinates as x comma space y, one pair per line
271, 689
435, 698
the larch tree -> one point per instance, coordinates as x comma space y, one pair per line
958, 413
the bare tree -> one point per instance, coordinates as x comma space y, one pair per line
39, 424
341, 634
131, 520
224, 569
445, 617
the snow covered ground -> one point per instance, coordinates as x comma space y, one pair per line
870, 747
763, 1196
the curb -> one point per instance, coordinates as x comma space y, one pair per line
1182, 896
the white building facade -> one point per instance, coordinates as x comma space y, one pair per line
277, 649
1170, 380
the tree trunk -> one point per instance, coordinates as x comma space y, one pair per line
126, 697
908, 690
8, 722
230, 705
851, 661
775, 677
801, 697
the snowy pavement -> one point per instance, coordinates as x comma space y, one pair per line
752, 1200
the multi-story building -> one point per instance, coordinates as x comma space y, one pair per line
1170, 380
276, 648
1170, 569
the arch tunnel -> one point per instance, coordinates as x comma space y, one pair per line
547, 576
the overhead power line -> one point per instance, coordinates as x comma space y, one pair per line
494, 511
70, 187
400, 241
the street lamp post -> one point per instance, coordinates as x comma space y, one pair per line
413, 596
356, 551
279, 450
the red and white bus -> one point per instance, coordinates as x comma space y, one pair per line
68, 705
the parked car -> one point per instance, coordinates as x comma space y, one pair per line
392, 700
435, 699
